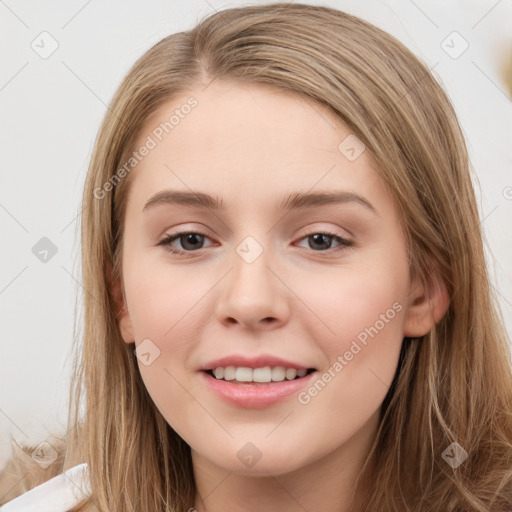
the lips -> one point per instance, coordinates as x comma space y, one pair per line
255, 395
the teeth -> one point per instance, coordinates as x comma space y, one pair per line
266, 374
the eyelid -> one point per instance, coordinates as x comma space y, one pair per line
333, 231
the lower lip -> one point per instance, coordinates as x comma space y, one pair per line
243, 394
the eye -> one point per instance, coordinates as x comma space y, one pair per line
321, 239
192, 240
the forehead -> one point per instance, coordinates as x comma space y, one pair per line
244, 112
249, 141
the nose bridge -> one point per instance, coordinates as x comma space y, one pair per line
251, 268
252, 294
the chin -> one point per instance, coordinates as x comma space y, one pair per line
268, 461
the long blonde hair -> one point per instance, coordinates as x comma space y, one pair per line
452, 385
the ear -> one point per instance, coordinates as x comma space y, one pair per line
427, 305
120, 308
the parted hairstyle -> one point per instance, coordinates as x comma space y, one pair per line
454, 384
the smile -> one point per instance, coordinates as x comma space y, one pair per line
252, 394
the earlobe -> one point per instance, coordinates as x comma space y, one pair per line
427, 305
121, 313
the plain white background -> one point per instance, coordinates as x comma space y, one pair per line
51, 109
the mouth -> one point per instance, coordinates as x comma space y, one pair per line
258, 380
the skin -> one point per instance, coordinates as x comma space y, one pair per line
251, 145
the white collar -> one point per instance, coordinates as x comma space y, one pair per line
59, 494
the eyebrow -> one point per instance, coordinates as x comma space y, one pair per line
293, 201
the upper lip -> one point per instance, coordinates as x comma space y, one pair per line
252, 362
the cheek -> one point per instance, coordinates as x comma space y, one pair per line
351, 303
360, 335
166, 311
167, 307
163, 300
363, 312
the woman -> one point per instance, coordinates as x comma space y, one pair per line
391, 379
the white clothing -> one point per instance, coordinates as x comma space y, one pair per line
59, 494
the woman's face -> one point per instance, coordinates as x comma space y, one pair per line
257, 278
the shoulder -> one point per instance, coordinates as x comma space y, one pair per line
28, 468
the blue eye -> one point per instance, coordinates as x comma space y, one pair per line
194, 239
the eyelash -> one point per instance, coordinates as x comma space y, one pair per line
174, 236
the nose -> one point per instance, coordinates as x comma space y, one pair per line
253, 295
